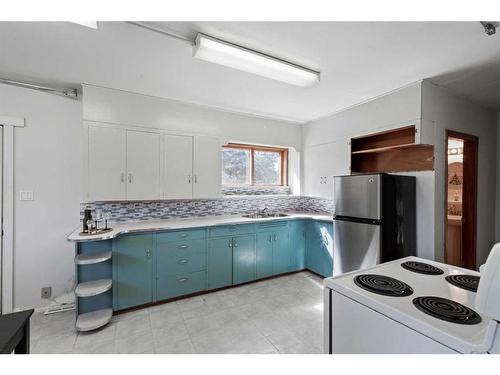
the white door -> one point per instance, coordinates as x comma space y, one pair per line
143, 165
207, 167
106, 168
178, 167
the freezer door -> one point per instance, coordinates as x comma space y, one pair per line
358, 196
355, 246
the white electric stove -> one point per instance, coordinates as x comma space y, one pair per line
413, 305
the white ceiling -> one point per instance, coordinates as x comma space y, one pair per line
358, 61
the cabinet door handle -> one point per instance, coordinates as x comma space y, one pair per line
182, 261
230, 243
275, 236
122, 177
148, 254
235, 243
130, 178
189, 179
182, 246
182, 280
270, 238
195, 179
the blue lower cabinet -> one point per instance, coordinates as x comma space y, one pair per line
220, 262
319, 240
170, 286
243, 259
264, 255
297, 245
181, 257
133, 265
281, 252
155, 266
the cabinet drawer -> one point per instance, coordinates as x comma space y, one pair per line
181, 235
176, 265
174, 286
231, 230
181, 248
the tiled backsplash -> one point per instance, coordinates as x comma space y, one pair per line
229, 205
256, 190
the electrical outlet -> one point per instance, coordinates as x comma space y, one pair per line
46, 292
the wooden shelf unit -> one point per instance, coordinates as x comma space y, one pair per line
390, 151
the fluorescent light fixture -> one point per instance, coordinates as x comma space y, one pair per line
224, 53
91, 24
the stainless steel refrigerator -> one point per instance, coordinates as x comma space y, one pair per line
374, 220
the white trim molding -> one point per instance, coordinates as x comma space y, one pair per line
12, 121
7, 292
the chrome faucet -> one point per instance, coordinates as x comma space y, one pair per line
264, 211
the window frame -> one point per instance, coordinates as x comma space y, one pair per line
252, 148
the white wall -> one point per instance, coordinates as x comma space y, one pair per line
398, 108
121, 107
497, 216
443, 110
435, 110
47, 160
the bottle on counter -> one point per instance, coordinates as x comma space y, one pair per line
87, 217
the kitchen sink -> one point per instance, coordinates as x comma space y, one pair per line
265, 216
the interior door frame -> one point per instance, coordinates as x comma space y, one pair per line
8, 124
469, 236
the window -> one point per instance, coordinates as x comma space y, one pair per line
246, 165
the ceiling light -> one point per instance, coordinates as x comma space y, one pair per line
224, 53
91, 24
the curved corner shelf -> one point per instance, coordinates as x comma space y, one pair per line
92, 258
93, 320
93, 288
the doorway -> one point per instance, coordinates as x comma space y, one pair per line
460, 199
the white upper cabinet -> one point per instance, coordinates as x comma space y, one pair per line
126, 164
321, 164
178, 167
106, 164
143, 165
206, 167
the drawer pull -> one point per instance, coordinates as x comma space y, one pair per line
183, 246
183, 235
182, 261
182, 280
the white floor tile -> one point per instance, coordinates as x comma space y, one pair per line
279, 315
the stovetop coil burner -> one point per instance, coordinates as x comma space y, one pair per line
448, 310
467, 282
384, 285
424, 268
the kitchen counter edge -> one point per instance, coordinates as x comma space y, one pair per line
188, 223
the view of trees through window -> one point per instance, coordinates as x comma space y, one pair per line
251, 166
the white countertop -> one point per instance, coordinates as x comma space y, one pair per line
169, 224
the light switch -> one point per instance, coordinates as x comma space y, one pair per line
26, 195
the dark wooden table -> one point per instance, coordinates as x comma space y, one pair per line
15, 332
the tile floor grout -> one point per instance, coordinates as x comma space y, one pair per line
256, 313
